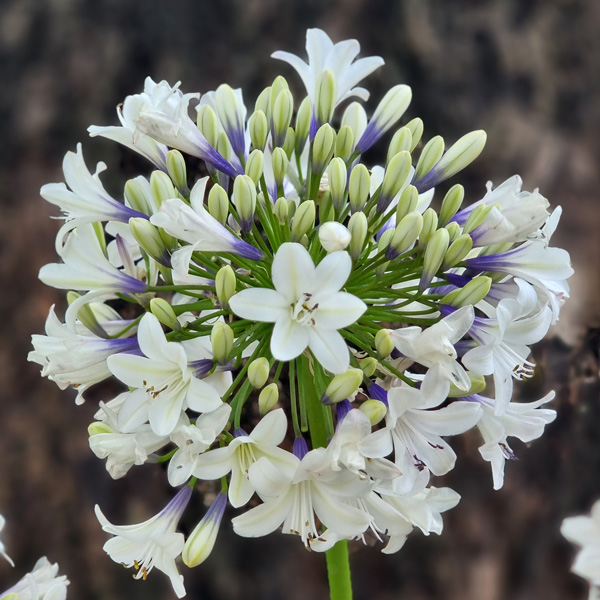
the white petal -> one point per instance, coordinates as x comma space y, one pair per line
338, 310
263, 519
271, 429
215, 463
333, 272
289, 339
201, 396
451, 420
330, 349
293, 271
260, 304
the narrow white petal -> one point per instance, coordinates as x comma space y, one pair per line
330, 349
333, 272
338, 310
289, 339
263, 519
293, 271
260, 304
271, 429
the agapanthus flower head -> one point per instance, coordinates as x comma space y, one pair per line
298, 282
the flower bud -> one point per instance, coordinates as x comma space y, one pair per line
431, 153
458, 249
358, 227
477, 217
201, 541
226, 105
258, 372
470, 294
292, 206
290, 142
96, 428
477, 386
355, 117
150, 240
281, 210
383, 343
86, 315
337, 175
334, 236
405, 235
304, 220
402, 141
225, 285
325, 96
344, 143
323, 146
244, 199
342, 386
375, 410
255, 165
268, 398
368, 365
221, 339
454, 230
394, 178
259, 129
218, 204
283, 107
407, 203
302, 125
280, 165
434, 256
164, 312
137, 196
416, 129
385, 239
358, 187
177, 169
208, 124
430, 222
161, 188
263, 102
452, 202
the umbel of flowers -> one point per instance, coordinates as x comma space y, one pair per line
301, 327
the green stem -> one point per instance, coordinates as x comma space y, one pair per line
338, 572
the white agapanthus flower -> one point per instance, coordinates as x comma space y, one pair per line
42, 583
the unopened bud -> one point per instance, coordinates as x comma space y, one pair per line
458, 250
259, 129
358, 227
342, 386
221, 339
431, 153
470, 294
452, 202
375, 410
281, 210
454, 230
255, 165
416, 129
477, 217
283, 107
304, 220
323, 146
325, 96
150, 240
336, 176
258, 372
208, 124
396, 174
292, 206
86, 315
402, 141
177, 169
368, 365
433, 257
161, 188
355, 117
302, 124
164, 312
358, 187
280, 165
477, 386
244, 199
407, 203
137, 195
268, 398
384, 343
334, 236
430, 223
385, 239
405, 235
290, 142
218, 204
344, 143
225, 285
263, 102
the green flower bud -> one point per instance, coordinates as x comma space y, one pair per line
279, 84
452, 202
283, 108
263, 102
268, 398
358, 227
461, 154
358, 187
325, 96
434, 256
477, 386
164, 312
344, 143
355, 117
280, 165
221, 339
416, 129
226, 105
458, 249
454, 230
208, 124
430, 223
405, 235
431, 153
385, 239
407, 203
342, 386
86, 315
374, 410
303, 124
292, 206
255, 165
402, 141
304, 220
218, 203
150, 240
137, 195
368, 365
161, 188
394, 178
258, 372
470, 294
337, 175
290, 142
100, 236
223, 146
244, 199
177, 170
383, 343
323, 146
477, 217
225, 285
392, 106
281, 210
326, 210
259, 129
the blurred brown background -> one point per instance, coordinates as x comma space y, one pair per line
527, 71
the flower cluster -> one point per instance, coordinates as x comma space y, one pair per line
303, 327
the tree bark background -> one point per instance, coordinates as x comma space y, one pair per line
528, 72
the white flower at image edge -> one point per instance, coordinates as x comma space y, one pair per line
306, 306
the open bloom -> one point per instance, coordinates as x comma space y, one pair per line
306, 306
153, 543
42, 583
